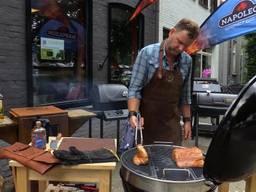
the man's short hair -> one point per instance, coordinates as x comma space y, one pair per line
188, 25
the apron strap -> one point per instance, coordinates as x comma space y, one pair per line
160, 69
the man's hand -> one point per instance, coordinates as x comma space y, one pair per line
134, 121
187, 130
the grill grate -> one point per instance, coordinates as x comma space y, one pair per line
160, 166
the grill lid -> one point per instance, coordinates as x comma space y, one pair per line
109, 96
215, 99
206, 87
232, 153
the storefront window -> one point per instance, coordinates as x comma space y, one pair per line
59, 62
202, 64
126, 38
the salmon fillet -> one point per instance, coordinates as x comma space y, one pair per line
188, 157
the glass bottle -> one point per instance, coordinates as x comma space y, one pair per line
38, 136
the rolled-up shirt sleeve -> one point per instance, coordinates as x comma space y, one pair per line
186, 91
138, 76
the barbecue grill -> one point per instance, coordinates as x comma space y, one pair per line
210, 105
231, 155
110, 103
208, 101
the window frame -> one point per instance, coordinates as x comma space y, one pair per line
213, 5
204, 3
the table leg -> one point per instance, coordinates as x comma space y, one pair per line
251, 184
105, 181
224, 187
42, 185
63, 123
22, 181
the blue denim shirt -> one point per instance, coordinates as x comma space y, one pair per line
145, 66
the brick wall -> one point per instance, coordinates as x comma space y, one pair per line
13, 53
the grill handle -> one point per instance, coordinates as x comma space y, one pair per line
185, 173
163, 143
212, 185
138, 128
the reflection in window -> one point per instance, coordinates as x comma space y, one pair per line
58, 50
125, 42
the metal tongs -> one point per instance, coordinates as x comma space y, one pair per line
138, 127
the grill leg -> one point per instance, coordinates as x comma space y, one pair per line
117, 132
90, 127
101, 127
196, 129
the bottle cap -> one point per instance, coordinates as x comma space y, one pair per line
38, 124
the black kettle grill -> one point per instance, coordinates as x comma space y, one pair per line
231, 155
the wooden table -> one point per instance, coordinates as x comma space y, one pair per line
99, 173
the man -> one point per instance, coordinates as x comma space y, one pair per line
160, 86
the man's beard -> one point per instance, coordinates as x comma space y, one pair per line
174, 52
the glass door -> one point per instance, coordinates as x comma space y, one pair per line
126, 38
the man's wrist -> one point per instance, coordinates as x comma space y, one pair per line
186, 119
132, 113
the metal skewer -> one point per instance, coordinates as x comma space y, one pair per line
138, 127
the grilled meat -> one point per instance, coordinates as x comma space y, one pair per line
188, 157
141, 156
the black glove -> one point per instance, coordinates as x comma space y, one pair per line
74, 156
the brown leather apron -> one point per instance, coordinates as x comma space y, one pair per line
159, 106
